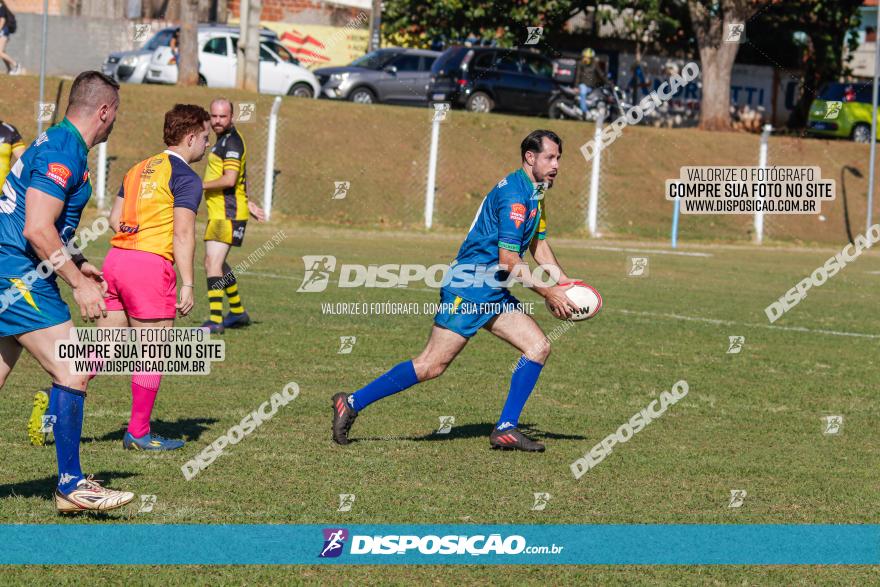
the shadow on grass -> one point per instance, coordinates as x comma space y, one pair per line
481, 430
190, 429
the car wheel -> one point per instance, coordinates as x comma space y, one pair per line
202, 80
861, 133
479, 102
301, 90
362, 96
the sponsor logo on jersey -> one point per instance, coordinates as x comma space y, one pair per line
518, 213
58, 173
128, 229
533, 212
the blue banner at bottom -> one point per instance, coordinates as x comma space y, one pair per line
684, 544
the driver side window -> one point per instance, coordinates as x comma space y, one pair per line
265, 55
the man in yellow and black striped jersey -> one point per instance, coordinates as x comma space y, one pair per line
228, 206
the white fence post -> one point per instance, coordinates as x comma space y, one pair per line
438, 115
762, 163
593, 206
269, 179
102, 176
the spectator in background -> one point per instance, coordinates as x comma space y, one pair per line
7, 27
637, 80
590, 74
174, 44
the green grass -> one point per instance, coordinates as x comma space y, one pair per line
751, 421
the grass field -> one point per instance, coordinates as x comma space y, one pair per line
751, 420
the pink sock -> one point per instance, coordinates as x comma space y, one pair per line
144, 387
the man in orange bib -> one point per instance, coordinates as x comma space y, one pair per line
154, 217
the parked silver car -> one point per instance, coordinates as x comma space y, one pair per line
131, 66
387, 75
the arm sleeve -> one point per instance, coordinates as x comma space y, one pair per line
55, 173
187, 190
511, 213
15, 138
234, 153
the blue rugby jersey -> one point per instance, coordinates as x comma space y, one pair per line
510, 216
56, 164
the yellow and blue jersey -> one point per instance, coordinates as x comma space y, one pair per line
10, 139
510, 217
56, 164
229, 153
151, 190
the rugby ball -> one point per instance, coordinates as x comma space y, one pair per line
585, 297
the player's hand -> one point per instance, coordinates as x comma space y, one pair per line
256, 212
95, 275
560, 305
185, 302
90, 297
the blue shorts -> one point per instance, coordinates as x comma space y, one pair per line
465, 317
38, 307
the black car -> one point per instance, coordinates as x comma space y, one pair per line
483, 79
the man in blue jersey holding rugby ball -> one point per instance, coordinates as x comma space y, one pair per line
511, 220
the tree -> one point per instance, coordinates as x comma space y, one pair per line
248, 49
823, 28
714, 23
417, 23
188, 44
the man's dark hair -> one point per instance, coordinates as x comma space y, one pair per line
182, 120
90, 90
535, 142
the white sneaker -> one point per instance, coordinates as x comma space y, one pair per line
16, 70
90, 496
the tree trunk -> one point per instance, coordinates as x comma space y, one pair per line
243, 12
716, 58
188, 60
252, 49
716, 67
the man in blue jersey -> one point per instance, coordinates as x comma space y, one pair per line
42, 200
511, 220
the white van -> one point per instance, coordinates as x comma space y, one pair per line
280, 72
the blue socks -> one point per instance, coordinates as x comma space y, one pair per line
403, 376
400, 377
521, 385
68, 404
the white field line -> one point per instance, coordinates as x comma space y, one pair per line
651, 251
645, 314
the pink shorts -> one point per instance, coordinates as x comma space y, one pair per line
142, 284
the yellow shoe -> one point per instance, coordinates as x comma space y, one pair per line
36, 429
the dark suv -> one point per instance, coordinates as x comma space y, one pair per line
483, 79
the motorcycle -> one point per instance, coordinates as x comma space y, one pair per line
566, 104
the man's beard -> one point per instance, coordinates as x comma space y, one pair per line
102, 138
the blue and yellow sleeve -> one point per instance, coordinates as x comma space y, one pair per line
542, 223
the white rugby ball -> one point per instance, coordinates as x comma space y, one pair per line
586, 298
